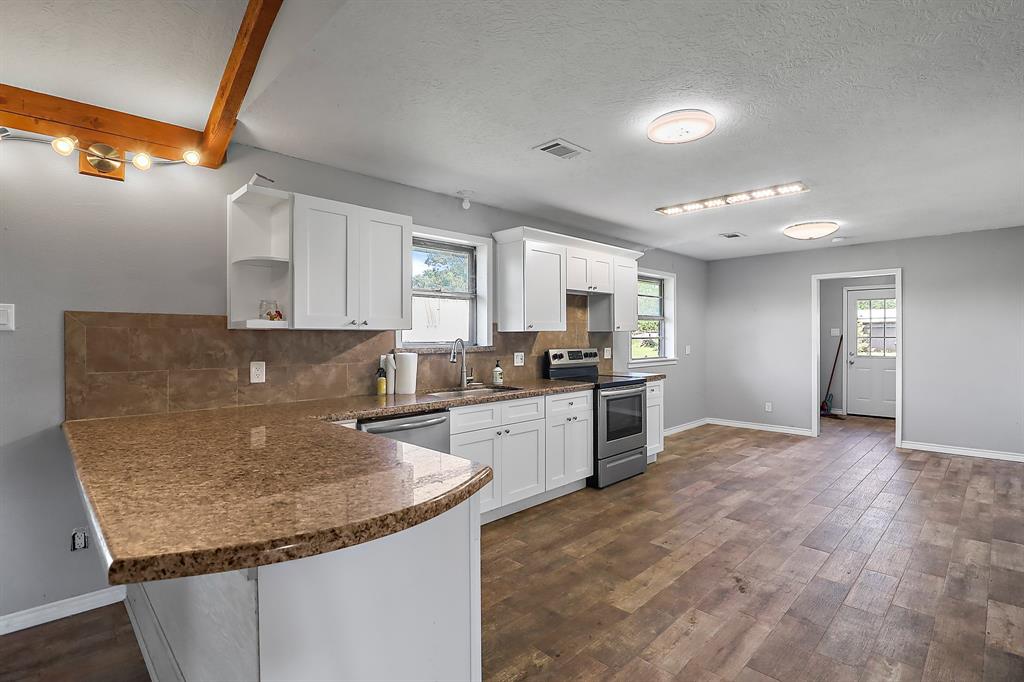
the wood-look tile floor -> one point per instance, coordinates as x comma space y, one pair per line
747, 555
95, 646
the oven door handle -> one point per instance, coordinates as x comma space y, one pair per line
623, 391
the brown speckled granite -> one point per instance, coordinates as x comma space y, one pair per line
215, 490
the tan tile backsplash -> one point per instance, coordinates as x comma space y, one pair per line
119, 364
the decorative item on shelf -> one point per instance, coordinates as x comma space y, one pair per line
270, 309
101, 160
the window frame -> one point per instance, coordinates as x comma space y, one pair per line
480, 268
667, 318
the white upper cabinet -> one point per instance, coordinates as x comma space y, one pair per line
325, 252
385, 281
588, 271
624, 307
536, 268
531, 287
330, 265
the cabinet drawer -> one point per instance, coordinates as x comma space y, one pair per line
569, 402
655, 391
475, 417
515, 411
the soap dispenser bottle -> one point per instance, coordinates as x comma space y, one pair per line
498, 376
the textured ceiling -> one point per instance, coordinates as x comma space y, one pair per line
905, 118
161, 59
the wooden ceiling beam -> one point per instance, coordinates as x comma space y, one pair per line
245, 56
37, 112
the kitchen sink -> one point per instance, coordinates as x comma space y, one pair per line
471, 391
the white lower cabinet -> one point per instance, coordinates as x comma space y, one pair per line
570, 445
655, 417
522, 460
482, 447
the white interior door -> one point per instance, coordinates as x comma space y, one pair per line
871, 352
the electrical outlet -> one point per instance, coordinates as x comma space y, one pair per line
257, 372
79, 539
686, 349
768, 406
607, 353
518, 359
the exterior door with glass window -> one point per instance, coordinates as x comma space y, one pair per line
871, 352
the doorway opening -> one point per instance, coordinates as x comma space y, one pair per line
857, 345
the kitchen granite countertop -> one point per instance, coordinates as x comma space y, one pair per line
200, 492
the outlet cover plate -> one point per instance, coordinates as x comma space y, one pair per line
257, 372
6, 317
768, 406
518, 359
687, 349
607, 353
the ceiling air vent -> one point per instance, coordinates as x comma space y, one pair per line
732, 235
563, 149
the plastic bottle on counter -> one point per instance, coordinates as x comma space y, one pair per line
498, 376
382, 382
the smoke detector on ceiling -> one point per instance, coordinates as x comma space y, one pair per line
732, 235
563, 149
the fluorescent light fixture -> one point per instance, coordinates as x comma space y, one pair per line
737, 198
685, 125
812, 230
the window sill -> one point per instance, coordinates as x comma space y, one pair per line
437, 350
652, 362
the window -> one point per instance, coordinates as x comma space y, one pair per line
876, 327
444, 293
648, 341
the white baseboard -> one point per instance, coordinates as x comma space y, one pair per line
672, 430
46, 613
539, 498
796, 431
838, 410
963, 452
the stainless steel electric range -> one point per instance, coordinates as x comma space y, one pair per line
620, 411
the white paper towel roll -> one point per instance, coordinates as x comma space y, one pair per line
406, 373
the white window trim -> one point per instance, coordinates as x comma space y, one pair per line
484, 246
670, 323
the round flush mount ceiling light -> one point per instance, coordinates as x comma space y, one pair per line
813, 230
685, 125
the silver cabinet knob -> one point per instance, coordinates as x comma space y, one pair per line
498, 432
852, 361
353, 322
575, 418
506, 431
570, 403
365, 322
529, 326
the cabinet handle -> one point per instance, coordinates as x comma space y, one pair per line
506, 431
498, 432
529, 326
570, 403
575, 418
365, 322
568, 419
353, 322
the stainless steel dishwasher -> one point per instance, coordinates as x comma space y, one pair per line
429, 430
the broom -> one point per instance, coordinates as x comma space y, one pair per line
826, 404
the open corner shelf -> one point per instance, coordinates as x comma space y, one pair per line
259, 260
259, 324
264, 197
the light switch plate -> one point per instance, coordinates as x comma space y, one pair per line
257, 372
686, 350
607, 353
518, 359
836, 331
6, 317
768, 406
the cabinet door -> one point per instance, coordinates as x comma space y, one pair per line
601, 274
556, 443
655, 428
522, 456
482, 447
544, 287
625, 295
385, 281
579, 449
577, 270
325, 258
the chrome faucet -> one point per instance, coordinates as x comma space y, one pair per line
464, 378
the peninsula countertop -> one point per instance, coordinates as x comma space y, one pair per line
200, 492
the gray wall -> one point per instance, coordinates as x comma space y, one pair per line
963, 325
684, 384
831, 306
153, 243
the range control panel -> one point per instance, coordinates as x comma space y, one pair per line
568, 357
